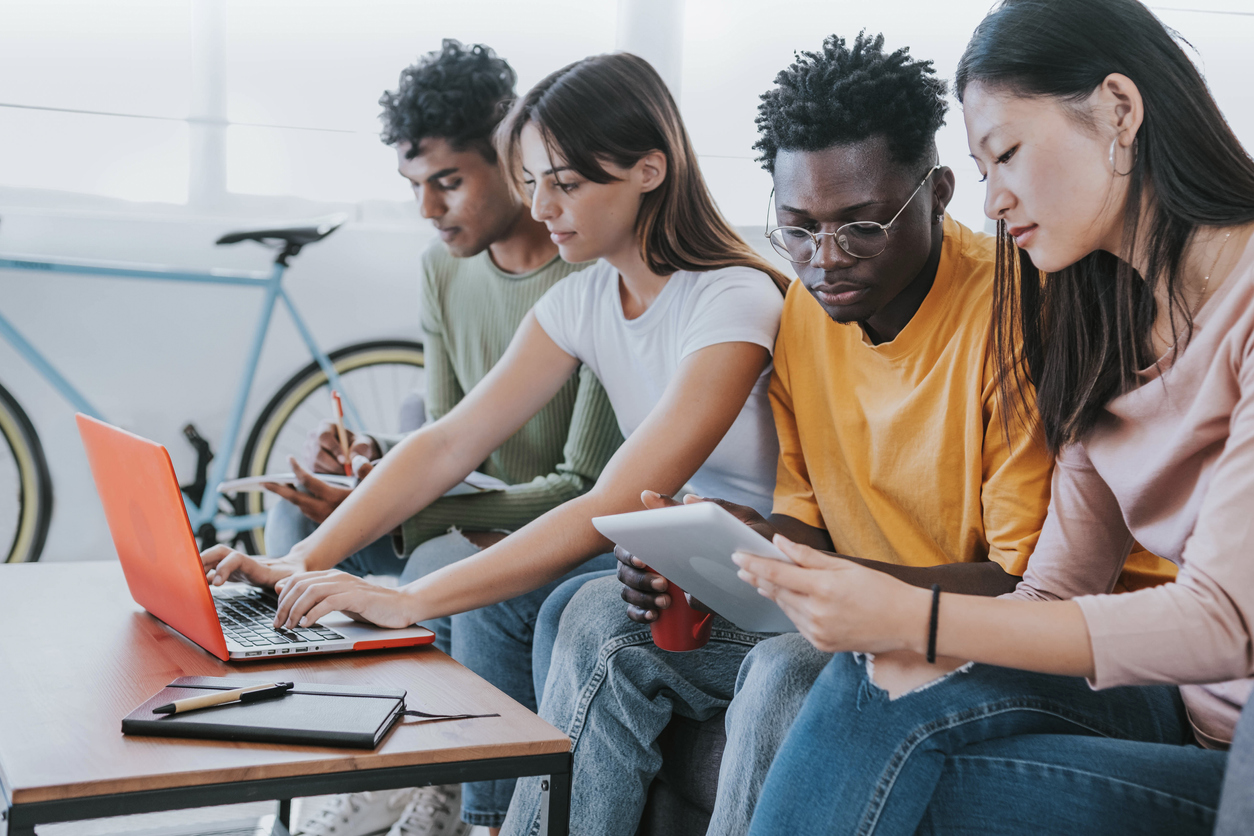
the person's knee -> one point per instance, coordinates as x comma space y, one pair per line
778, 672
285, 527
595, 616
437, 553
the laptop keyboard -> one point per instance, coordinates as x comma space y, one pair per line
247, 621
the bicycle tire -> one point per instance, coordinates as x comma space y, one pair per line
33, 483
299, 388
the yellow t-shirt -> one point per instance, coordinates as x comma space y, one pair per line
898, 449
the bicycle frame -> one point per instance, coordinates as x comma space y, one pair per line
270, 283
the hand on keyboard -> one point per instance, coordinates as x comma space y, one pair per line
223, 564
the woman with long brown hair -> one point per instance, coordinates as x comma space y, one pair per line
677, 318
1125, 206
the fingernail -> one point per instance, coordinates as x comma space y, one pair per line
744, 576
738, 558
635, 561
659, 584
650, 615
301, 623
652, 493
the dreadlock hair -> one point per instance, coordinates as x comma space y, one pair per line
1086, 330
616, 108
847, 94
458, 93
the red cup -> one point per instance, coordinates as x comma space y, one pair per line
679, 627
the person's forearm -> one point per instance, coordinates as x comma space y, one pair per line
799, 532
416, 472
507, 510
540, 552
1036, 636
981, 578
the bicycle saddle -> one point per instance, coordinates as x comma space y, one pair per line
297, 236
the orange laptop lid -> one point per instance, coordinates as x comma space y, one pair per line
144, 507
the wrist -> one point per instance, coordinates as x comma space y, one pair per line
300, 557
414, 600
915, 619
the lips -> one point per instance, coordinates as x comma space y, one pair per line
840, 295
1022, 234
448, 233
560, 237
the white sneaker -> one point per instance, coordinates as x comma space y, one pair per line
355, 814
434, 811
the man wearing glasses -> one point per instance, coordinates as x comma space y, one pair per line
892, 446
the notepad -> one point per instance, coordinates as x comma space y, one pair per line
354, 716
475, 483
324, 715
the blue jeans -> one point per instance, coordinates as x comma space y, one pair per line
494, 642
613, 691
856, 762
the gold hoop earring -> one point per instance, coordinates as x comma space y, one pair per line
1114, 167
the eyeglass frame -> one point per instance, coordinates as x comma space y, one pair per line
815, 236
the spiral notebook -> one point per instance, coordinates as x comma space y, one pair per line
322, 715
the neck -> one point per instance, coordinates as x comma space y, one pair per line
638, 285
524, 247
889, 321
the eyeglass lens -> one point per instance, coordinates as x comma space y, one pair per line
860, 240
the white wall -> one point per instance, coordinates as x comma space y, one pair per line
301, 82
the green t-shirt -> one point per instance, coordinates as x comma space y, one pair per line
470, 311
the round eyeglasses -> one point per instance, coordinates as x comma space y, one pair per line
861, 239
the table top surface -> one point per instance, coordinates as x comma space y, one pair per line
77, 655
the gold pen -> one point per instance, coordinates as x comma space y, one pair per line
252, 693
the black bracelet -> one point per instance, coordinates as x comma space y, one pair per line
931, 627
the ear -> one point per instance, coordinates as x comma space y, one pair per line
651, 169
942, 190
1118, 107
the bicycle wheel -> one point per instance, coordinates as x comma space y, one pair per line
25, 485
378, 378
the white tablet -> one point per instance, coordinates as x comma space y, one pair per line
692, 545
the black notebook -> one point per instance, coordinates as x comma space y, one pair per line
324, 715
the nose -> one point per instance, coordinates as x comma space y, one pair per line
541, 205
431, 203
998, 199
829, 256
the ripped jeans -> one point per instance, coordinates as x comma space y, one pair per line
856, 762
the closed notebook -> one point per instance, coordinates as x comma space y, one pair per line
323, 715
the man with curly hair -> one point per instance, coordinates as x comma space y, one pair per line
491, 264
892, 445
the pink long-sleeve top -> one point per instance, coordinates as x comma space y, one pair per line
1171, 464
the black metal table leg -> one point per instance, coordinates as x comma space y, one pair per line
559, 801
285, 813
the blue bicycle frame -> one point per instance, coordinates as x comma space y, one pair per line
270, 283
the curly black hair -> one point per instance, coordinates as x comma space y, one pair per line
458, 93
843, 95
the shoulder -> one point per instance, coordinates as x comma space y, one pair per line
439, 268
583, 286
734, 287
974, 256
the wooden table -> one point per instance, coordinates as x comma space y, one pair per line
77, 655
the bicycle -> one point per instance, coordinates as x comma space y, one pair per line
390, 372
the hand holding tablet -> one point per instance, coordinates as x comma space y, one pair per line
691, 546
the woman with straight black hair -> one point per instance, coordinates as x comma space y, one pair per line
1125, 210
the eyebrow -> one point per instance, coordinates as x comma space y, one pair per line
855, 207
559, 168
442, 173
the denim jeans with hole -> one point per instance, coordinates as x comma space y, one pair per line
1041, 754
494, 642
613, 691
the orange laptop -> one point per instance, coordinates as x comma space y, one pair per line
144, 507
